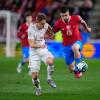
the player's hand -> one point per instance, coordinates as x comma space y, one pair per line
43, 46
23, 36
89, 29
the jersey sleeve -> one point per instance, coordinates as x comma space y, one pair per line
46, 26
79, 19
30, 33
22, 31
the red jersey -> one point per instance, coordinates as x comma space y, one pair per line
23, 35
70, 30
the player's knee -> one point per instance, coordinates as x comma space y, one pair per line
34, 75
50, 61
75, 48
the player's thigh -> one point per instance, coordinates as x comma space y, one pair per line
77, 46
34, 63
48, 58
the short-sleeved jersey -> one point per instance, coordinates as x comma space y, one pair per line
23, 31
37, 35
70, 30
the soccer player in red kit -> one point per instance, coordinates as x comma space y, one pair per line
23, 36
69, 26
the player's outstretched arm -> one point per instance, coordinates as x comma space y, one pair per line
49, 33
50, 30
85, 25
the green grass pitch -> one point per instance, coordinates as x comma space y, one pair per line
15, 86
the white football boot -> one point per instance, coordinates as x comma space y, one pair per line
51, 83
38, 91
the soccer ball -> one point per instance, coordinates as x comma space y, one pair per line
82, 66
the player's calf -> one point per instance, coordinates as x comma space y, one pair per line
36, 82
50, 70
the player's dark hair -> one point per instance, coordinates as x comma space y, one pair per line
28, 14
41, 16
64, 9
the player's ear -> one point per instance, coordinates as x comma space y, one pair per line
61, 14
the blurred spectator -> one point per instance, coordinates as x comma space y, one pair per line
29, 7
85, 9
49, 7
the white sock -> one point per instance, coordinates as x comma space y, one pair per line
50, 70
36, 82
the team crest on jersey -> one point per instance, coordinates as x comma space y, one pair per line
67, 27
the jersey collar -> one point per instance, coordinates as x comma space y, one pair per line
68, 20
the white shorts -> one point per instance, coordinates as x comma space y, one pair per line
35, 59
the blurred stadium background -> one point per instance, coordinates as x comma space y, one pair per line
13, 86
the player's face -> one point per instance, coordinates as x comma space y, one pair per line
29, 19
65, 16
41, 24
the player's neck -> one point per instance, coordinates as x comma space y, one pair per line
28, 23
37, 26
67, 21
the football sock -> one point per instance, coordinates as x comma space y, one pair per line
75, 69
77, 60
36, 82
50, 70
23, 62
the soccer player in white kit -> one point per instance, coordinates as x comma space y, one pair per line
39, 52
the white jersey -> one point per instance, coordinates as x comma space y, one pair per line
37, 35
37, 54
